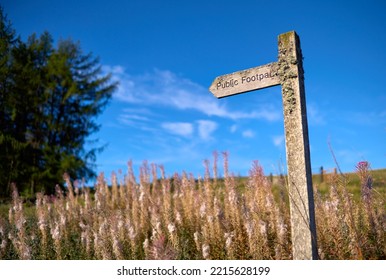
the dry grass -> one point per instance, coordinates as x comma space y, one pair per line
182, 217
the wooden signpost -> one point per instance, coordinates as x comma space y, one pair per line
287, 72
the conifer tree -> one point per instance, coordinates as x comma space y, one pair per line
8, 144
50, 98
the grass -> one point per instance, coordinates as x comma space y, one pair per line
182, 217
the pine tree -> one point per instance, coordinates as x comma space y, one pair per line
50, 98
9, 146
75, 93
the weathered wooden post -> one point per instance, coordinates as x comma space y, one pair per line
287, 72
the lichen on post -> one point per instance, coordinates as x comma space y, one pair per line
303, 227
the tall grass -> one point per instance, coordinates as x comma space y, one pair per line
181, 217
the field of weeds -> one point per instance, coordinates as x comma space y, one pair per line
182, 217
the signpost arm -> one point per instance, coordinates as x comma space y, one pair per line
303, 227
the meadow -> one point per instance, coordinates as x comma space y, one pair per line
183, 217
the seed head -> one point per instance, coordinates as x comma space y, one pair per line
205, 251
171, 228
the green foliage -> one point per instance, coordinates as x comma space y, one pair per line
49, 100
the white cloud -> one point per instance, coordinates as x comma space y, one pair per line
167, 89
315, 117
350, 156
233, 128
117, 69
248, 133
278, 140
206, 128
134, 117
178, 128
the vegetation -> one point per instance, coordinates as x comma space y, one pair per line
49, 98
187, 218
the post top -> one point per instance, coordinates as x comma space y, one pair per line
288, 33
285, 37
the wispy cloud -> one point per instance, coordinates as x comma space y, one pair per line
206, 128
132, 118
248, 133
163, 115
167, 89
315, 116
350, 156
278, 140
178, 128
366, 118
233, 128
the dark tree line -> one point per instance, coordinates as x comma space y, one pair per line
49, 99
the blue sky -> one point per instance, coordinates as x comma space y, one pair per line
165, 54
